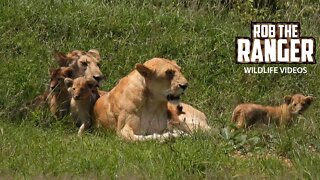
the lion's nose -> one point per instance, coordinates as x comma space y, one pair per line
76, 97
99, 78
183, 86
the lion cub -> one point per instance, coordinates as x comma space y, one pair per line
245, 115
84, 94
174, 122
58, 97
186, 118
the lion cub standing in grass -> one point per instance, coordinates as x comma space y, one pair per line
245, 115
84, 94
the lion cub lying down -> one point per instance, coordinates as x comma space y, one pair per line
245, 115
187, 118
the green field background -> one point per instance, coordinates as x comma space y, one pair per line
200, 36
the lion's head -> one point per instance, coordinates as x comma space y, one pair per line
57, 77
84, 63
164, 79
298, 103
81, 88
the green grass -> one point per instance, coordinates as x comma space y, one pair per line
200, 36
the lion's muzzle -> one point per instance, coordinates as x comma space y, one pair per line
183, 86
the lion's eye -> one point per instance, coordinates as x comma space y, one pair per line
170, 74
99, 65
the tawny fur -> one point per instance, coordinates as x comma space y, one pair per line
174, 122
84, 63
192, 119
245, 115
136, 108
58, 97
84, 94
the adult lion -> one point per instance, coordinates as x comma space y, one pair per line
136, 108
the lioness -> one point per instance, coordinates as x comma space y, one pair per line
84, 94
84, 63
136, 108
245, 115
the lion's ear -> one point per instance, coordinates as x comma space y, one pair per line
95, 53
176, 64
68, 82
61, 58
309, 99
287, 99
143, 70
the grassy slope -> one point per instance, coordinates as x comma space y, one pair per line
201, 39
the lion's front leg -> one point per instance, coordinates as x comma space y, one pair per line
127, 125
159, 137
127, 133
